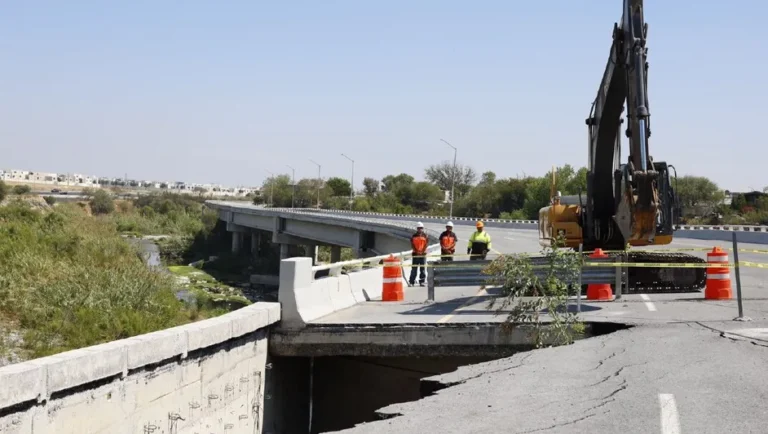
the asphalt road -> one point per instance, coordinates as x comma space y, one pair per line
679, 378
685, 366
469, 304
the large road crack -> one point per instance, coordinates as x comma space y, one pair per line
562, 424
495, 371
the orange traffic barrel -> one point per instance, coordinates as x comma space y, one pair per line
599, 291
392, 288
718, 276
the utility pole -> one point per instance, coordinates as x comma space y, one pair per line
319, 181
293, 193
352, 190
271, 188
453, 173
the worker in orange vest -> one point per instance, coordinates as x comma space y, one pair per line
448, 241
419, 243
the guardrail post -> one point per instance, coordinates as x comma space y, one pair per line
581, 271
619, 272
431, 285
741, 316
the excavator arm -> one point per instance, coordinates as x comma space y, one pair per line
632, 202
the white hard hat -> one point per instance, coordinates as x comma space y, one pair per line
449, 224
419, 225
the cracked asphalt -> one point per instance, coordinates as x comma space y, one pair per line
620, 382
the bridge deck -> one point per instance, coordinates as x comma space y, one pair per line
469, 304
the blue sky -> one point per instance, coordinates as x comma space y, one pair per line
208, 91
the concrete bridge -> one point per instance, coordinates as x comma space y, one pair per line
282, 367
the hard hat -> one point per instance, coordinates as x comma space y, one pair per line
420, 225
479, 224
449, 224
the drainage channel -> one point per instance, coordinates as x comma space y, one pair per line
328, 393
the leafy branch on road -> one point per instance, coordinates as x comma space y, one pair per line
531, 290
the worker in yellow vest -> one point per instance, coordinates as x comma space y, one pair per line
479, 243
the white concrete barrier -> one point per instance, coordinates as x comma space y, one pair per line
304, 299
206, 376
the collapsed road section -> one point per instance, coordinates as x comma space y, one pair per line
328, 377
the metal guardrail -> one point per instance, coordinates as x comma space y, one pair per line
335, 268
470, 273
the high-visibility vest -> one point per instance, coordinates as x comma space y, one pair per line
448, 241
419, 244
480, 238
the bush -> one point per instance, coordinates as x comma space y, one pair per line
68, 280
102, 203
526, 293
50, 200
21, 189
3, 190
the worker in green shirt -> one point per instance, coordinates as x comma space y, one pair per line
479, 243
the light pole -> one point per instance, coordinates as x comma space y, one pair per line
319, 181
352, 191
293, 193
453, 173
271, 188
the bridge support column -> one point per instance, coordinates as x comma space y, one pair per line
255, 241
335, 254
237, 241
284, 251
311, 251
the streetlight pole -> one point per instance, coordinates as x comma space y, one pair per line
453, 173
352, 191
293, 193
319, 181
271, 188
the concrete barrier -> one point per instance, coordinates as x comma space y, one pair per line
304, 299
202, 377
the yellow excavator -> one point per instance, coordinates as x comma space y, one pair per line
626, 204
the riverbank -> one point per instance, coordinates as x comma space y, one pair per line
70, 280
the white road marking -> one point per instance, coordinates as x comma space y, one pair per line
465, 304
509, 238
670, 421
651, 307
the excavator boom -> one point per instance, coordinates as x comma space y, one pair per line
631, 203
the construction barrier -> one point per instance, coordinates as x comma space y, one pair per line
718, 276
392, 286
599, 291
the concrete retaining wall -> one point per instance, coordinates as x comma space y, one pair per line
202, 377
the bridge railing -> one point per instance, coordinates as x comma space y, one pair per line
336, 268
470, 273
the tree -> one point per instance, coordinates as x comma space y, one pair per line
370, 186
339, 187
698, 195
3, 190
102, 203
391, 183
279, 189
444, 173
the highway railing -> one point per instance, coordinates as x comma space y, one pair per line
336, 268
470, 273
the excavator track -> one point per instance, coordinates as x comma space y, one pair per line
664, 279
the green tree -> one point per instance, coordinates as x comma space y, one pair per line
102, 203
370, 186
698, 195
444, 174
339, 187
3, 190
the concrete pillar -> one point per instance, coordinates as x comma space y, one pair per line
237, 241
255, 242
284, 251
311, 251
335, 254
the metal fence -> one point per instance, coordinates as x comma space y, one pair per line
470, 273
